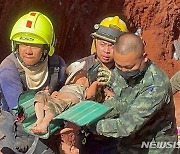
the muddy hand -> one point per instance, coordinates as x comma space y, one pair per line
70, 127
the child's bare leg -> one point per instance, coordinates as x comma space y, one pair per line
39, 110
40, 100
40, 113
42, 128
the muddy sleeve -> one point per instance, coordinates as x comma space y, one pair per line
144, 107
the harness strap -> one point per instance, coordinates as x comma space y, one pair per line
22, 77
54, 68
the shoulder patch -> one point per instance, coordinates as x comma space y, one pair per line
151, 88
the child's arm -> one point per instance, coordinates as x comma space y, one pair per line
91, 91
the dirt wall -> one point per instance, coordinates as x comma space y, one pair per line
73, 22
159, 20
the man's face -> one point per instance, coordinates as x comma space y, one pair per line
104, 50
130, 61
30, 53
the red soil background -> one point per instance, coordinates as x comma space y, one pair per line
73, 23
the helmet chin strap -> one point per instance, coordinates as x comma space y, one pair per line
43, 57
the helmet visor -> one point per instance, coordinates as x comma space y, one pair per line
28, 38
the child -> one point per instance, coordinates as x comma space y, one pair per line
76, 89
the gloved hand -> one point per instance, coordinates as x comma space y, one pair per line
21, 144
103, 75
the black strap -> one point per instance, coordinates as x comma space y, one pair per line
54, 68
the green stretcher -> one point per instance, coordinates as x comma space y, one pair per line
84, 113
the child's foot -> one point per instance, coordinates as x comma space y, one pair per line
39, 130
32, 128
36, 124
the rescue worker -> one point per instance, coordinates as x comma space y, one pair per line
175, 82
104, 38
175, 79
32, 65
143, 115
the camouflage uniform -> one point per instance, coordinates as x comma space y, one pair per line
143, 111
175, 82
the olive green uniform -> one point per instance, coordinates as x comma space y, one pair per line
143, 113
